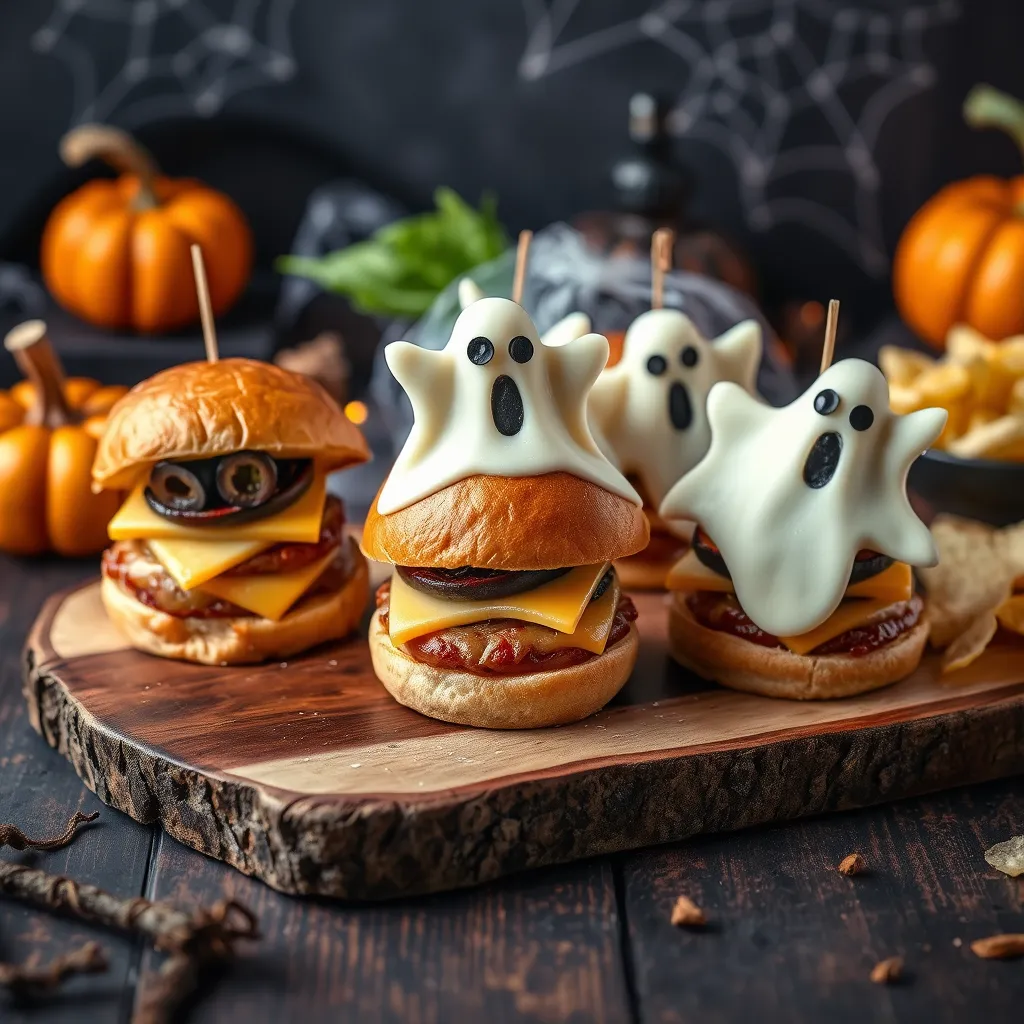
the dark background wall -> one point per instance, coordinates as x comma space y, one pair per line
814, 128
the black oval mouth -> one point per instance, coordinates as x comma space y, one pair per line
507, 406
823, 460
680, 409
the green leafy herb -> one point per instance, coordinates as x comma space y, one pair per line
400, 270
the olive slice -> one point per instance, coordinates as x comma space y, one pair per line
868, 564
176, 487
708, 554
246, 479
470, 584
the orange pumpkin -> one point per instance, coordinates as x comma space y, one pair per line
116, 252
961, 257
49, 428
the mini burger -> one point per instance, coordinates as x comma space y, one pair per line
502, 518
799, 581
228, 548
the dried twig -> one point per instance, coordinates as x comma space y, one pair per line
999, 947
854, 864
686, 914
12, 836
887, 971
24, 980
191, 940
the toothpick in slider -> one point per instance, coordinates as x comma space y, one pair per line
831, 325
662, 242
205, 307
522, 251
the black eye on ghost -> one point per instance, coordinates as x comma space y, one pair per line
242, 485
689, 356
657, 365
827, 401
480, 351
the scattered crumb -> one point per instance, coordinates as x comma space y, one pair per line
854, 864
358, 764
686, 914
1007, 857
958, 942
223, 664
333, 663
887, 971
284, 664
999, 947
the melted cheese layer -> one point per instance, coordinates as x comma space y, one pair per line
560, 605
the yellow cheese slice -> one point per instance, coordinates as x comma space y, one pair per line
297, 524
848, 615
893, 584
595, 625
691, 574
270, 595
1011, 614
559, 604
191, 562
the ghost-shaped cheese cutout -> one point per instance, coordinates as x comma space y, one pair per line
649, 408
791, 495
497, 401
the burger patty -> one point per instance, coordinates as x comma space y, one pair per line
138, 572
722, 612
504, 647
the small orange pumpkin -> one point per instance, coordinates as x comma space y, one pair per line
49, 428
116, 253
961, 257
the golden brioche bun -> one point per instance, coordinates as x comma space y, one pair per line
201, 410
244, 639
502, 702
513, 523
774, 672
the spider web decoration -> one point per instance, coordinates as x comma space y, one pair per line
751, 74
178, 56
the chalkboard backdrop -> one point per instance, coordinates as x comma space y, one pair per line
813, 128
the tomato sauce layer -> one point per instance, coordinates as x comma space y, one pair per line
723, 613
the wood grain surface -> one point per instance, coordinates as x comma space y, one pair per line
309, 776
585, 942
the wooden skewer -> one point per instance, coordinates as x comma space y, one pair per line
831, 325
662, 242
205, 307
522, 251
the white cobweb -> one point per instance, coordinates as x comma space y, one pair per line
178, 56
748, 73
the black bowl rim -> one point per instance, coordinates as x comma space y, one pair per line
982, 465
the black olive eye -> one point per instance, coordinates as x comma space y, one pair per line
246, 479
657, 365
176, 487
689, 356
861, 417
480, 351
826, 402
520, 349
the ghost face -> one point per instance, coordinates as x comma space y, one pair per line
791, 495
649, 409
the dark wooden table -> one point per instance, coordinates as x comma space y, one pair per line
789, 940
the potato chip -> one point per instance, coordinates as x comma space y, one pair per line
970, 591
1007, 857
980, 383
902, 366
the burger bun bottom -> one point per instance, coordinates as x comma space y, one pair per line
502, 702
773, 672
248, 638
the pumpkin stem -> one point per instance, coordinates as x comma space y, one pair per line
40, 364
986, 107
118, 149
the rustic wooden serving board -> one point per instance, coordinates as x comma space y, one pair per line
309, 776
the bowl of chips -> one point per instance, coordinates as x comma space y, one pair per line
976, 468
